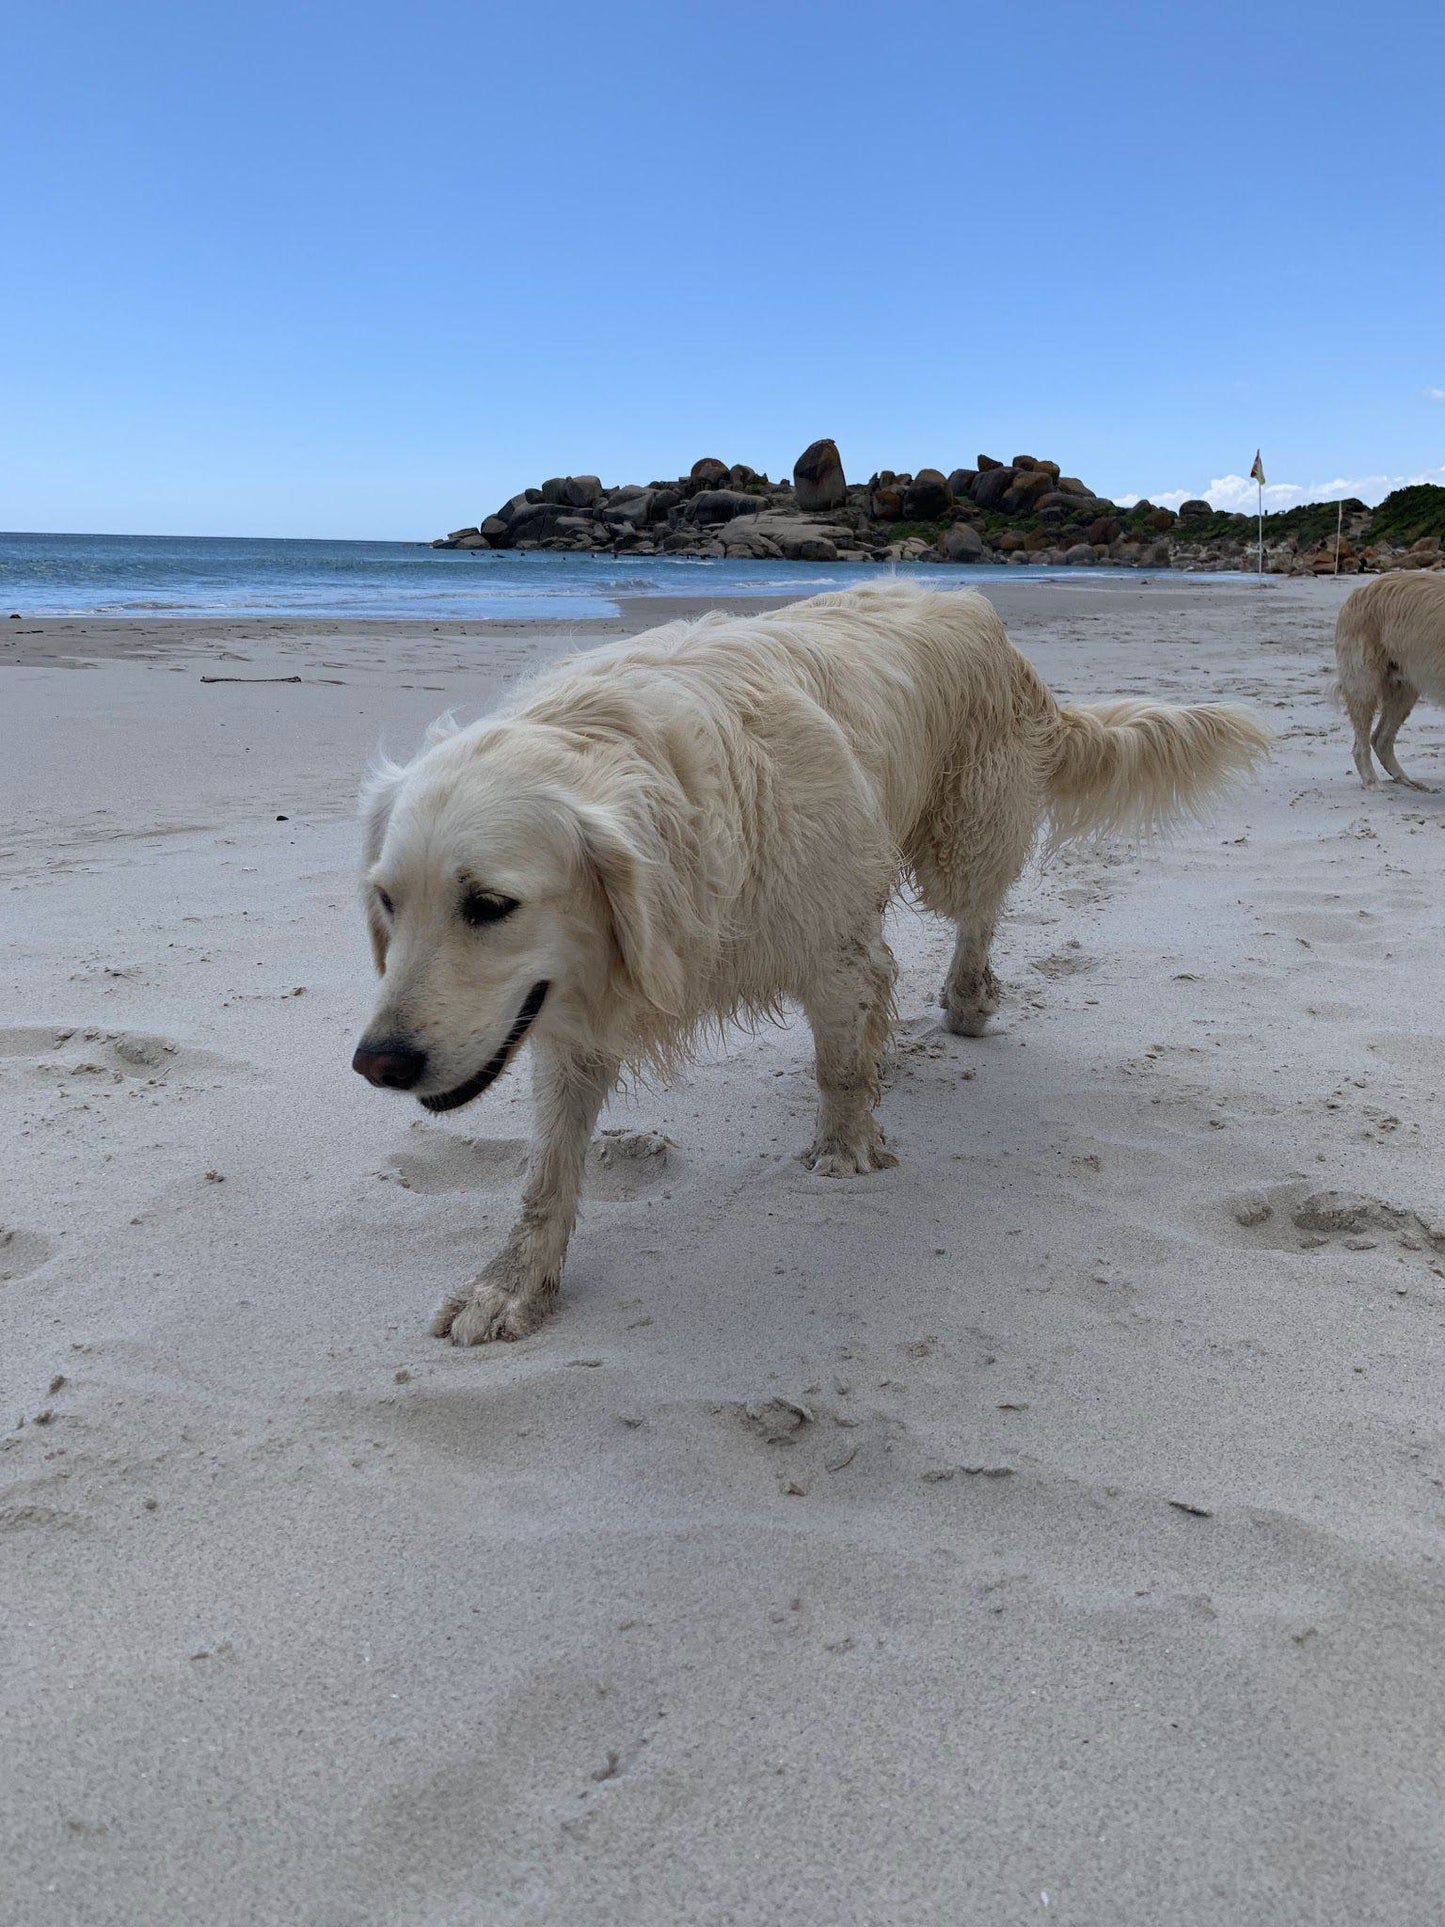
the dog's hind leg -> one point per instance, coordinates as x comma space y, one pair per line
971, 891
1361, 702
1400, 698
848, 1006
970, 993
510, 1298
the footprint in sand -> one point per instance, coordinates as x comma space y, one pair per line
445, 1163
1288, 1217
1071, 961
620, 1164
21, 1252
810, 1447
83, 1051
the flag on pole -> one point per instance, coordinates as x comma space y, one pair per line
1256, 474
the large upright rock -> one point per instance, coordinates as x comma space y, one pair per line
964, 544
818, 479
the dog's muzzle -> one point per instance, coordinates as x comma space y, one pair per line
497, 1062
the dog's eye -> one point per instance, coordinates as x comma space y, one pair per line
386, 903
485, 906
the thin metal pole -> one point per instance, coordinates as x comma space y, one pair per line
1261, 528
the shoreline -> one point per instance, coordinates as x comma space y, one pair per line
37, 640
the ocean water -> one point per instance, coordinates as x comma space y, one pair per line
192, 575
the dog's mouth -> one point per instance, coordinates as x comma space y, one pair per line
497, 1062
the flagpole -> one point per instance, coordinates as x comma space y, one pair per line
1261, 528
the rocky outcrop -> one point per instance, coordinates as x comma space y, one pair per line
1025, 510
818, 478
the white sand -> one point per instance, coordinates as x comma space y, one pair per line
310, 1618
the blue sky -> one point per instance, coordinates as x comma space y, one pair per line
367, 270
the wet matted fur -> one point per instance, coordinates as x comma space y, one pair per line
1390, 650
707, 822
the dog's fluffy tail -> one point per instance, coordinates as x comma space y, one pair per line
1140, 766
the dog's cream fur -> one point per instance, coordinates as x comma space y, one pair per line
1390, 649
708, 821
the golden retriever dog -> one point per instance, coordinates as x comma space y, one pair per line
1390, 648
706, 822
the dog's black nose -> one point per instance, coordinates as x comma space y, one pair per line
396, 1067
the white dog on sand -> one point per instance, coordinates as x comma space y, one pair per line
708, 821
1390, 650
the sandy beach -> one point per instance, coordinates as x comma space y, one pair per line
1048, 1528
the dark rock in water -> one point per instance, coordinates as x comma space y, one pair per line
926, 498
1195, 511
814, 548
457, 534
474, 540
721, 505
964, 544
538, 519
711, 472
993, 483
631, 508
819, 481
960, 482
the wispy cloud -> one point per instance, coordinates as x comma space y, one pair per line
1239, 492
1433, 394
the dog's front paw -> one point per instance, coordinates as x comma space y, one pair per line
500, 1304
835, 1154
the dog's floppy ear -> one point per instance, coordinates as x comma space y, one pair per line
377, 800
630, 883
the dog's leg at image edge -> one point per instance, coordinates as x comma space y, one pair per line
1400, 697
510, 1298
